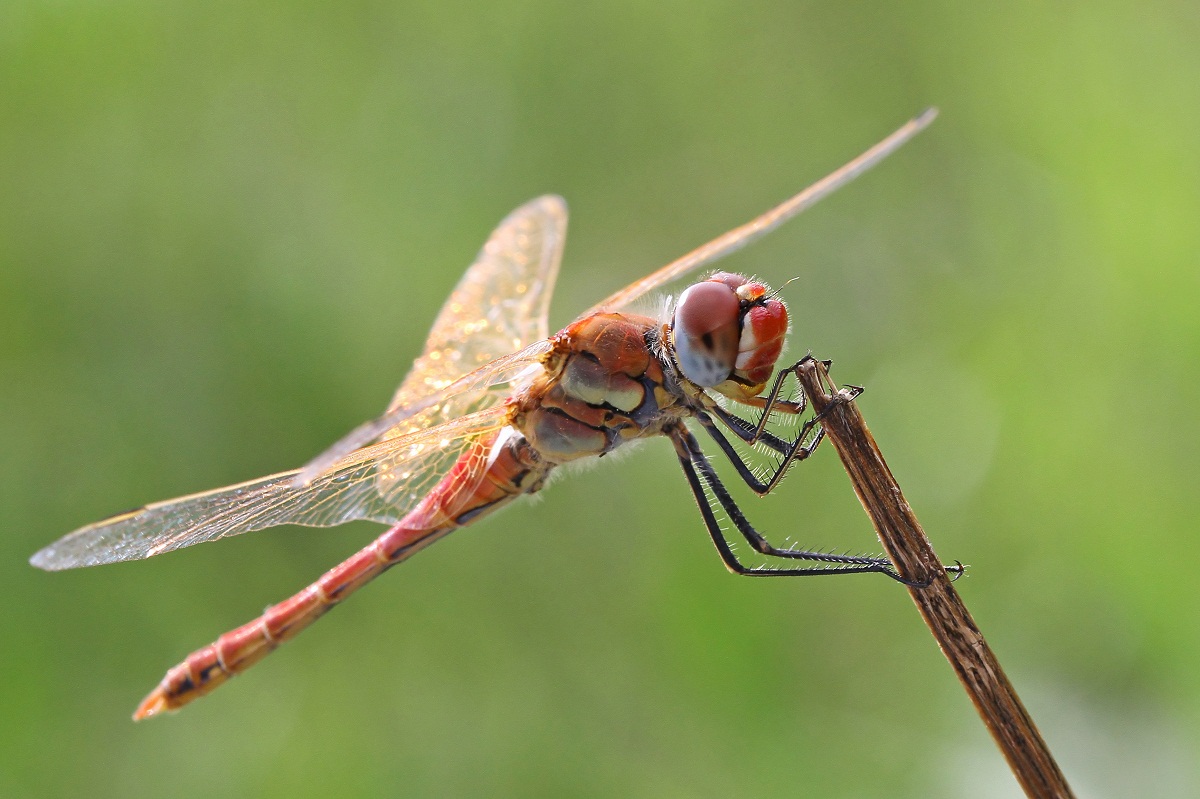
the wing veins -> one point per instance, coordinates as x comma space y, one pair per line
244, 506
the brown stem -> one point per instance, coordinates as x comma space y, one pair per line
947, 618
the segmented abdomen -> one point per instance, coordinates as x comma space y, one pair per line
495, 470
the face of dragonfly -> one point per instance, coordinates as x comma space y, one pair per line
727, 333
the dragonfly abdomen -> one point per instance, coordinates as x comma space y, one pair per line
492, 472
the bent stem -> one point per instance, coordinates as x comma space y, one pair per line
939, 604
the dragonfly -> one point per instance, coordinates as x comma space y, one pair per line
495, 404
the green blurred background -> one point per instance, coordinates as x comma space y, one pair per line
225, 228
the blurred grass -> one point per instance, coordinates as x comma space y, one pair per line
225, 228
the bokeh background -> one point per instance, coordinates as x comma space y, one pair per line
225, 228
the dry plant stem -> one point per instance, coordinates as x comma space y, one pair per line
955, 632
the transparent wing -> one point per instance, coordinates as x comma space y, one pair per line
489, 332
481, 390
499, 306
451, 396
757, 228
351, 489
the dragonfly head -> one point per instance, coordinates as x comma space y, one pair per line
728, 331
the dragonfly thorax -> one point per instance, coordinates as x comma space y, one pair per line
601, 386
727, 332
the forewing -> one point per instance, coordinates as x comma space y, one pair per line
757, 228
499, 306
351, 489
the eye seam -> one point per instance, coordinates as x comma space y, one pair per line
716, 335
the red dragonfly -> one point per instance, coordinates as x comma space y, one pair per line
494, 404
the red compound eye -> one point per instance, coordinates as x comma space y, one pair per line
763, 330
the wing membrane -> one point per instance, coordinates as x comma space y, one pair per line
499, 305
760, 226
492, 327
451, 396
351, 489
480, 390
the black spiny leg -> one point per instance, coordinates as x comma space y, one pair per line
772, 402
752, 433
792, 451
747, 431
700, 475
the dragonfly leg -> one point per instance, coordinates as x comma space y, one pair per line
755, 432
773, 403
702, 478
746, 431
796, 450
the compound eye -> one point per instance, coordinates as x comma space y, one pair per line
706, 333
